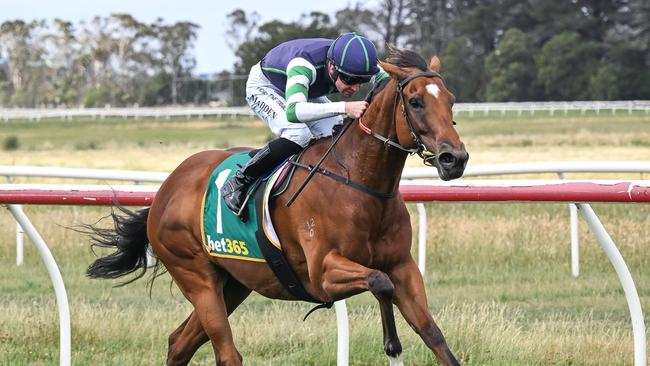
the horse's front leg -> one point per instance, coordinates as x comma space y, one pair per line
411, 299
342, 278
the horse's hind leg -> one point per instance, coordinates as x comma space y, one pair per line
343, 278
189, 336
202, 283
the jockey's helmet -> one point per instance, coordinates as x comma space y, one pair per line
354, 57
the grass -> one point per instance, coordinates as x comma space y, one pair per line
498, 275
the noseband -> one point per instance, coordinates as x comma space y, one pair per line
427, 156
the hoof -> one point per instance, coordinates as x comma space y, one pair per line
393, 349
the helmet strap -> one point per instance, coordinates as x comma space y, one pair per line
334, 75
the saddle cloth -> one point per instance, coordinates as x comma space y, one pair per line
223, 233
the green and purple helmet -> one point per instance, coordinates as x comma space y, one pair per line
354, 57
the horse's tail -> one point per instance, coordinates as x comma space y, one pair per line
129, 237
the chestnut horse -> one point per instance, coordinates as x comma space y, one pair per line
339, 240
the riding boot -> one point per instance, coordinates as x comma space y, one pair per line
235, 189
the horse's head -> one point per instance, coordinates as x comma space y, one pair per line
423, 112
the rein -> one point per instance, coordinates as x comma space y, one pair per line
345, 180
385, 140
427, 156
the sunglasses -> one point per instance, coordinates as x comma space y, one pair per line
352, 80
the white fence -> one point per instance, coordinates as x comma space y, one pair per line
135, 113
553, 107
7, 114
558, 167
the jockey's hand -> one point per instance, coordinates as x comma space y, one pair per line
355, 109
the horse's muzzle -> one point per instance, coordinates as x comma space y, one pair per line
451, 163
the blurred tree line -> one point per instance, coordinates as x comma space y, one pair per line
491, 50
113, 60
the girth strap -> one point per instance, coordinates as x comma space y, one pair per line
325, 305
346, 181
276, 260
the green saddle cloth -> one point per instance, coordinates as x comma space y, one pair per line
223, 233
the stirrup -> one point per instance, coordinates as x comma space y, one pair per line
243, 212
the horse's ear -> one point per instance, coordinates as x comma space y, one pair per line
394, 71
435, 64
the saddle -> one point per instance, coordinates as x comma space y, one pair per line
225, 235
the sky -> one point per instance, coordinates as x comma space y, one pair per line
211, 51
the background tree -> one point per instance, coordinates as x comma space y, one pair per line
462, 68
511, 69
98, 46
5, 84
565, 65
486, 47
242, 27
269, 35
25, 55
621, 75
175, 57
66, 69
432, 26
392, 20
131, 55
357, 18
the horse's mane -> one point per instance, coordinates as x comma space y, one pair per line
403, 57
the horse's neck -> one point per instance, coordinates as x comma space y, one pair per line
370, 161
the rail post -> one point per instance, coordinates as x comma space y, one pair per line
624, 276
422, 237
575, 244
343, 334
65, 353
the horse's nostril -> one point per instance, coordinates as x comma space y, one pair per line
446, 159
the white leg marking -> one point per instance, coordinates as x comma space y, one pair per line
433, 90
396, 361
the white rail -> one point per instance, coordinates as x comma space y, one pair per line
624, 276
553, 107
135, 113
82, 173
37, 114
558, 167
65, 334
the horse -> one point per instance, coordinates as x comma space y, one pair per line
340, 239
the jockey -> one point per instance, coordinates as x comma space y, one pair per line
287, 90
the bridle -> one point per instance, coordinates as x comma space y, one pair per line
427, 156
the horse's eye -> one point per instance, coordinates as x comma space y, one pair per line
416, 102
